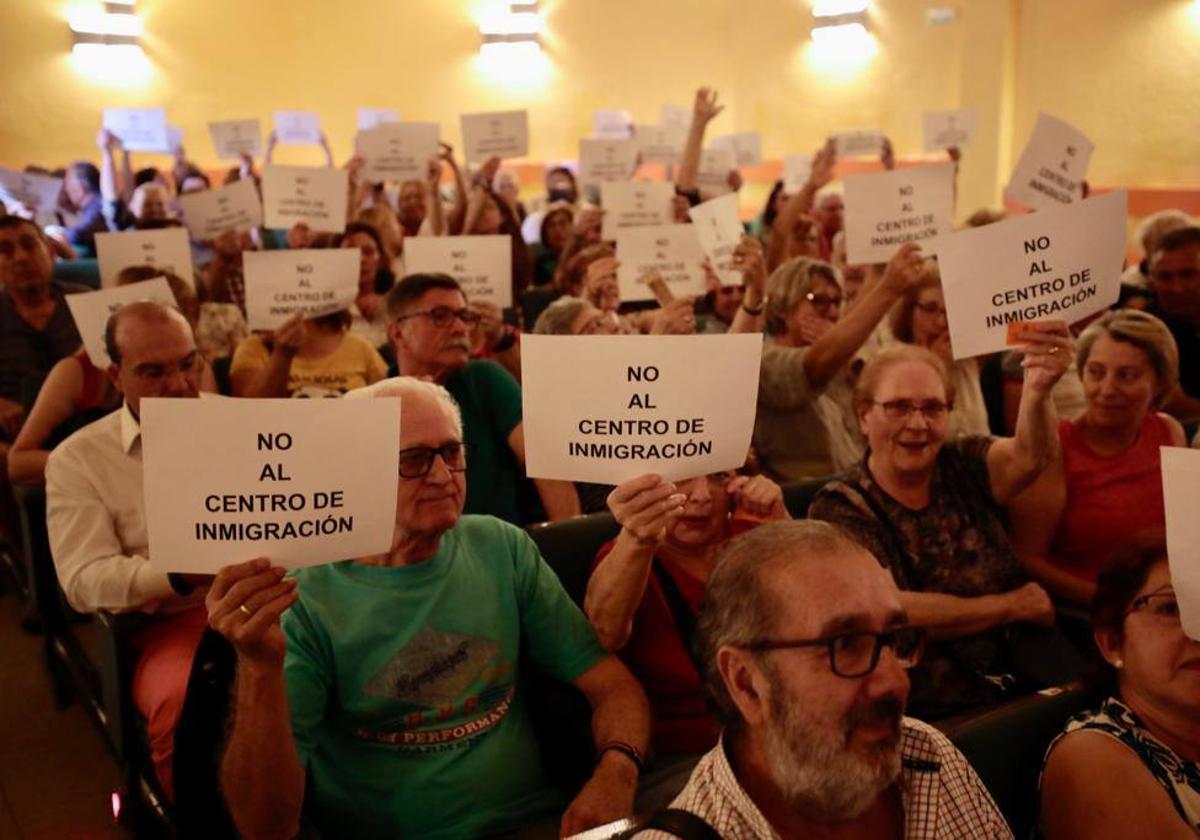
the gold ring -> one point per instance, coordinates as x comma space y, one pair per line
242, 608
1054, 350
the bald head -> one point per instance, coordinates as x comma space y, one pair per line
134, 316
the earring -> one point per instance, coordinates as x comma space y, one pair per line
1118, 664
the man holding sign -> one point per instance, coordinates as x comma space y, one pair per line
392, 681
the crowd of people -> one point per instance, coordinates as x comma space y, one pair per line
984, 528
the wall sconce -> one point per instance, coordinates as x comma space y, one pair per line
835, 20
113, 24
520, 26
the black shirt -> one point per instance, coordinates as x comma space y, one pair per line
26, 353
1187, 339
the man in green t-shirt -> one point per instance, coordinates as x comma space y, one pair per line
392, 684
429, 330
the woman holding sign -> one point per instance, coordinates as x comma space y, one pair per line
646, 587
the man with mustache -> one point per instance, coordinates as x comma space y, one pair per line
429, 328
805, 647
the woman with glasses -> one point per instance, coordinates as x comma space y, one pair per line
804, 427
1131, 767
646, 587
931, 511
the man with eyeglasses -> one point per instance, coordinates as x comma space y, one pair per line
429, 330
95, 517
388, 691
806, 648
1175, 279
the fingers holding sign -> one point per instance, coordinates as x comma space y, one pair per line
749, 260
758, 496
1048, 349
646, 507
903, 270
244, 604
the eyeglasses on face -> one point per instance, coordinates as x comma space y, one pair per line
417, 461
443, 316
856, 654
1183, 275
932, 410
823, 303
932, 308
1161, 604
155, 372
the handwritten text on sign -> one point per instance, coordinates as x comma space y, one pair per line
315, 196
635, 203
503, 134
1053, 165
229, 480
312, 282
671, 251
680, 406
1181, 488
482, 265
886, 209
167, 249
1062, 264
209, 213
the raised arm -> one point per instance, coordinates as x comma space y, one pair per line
433, 198
800, 203
325, 147
480, 187
272, 140
110, 189
748, 258
458, 212
704, 110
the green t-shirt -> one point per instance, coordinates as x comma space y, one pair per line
403, 692
490, 400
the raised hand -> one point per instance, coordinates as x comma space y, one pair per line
705, 107
244, 604
758, 496
1048, 350
646, 507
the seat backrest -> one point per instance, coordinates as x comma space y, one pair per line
85, 272
570, 546
797, 496
1006, 746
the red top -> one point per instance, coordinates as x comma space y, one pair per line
1108, 499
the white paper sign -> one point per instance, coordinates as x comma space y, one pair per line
612, 125
681, 405
174, 138
660, 143
796, 169
1053, 166
1181, 488
635, 203
606, 160
300, 127
673, 116
92, 309
166, 249
712, 177
886, 209
369, 118
504, 134
140, 129
37, 192
313, 195
397, 151
673, 251
866, 143
745, 145
482, 265
313, 281
944, 129
209, 213
229, 480
232, 138
1062, 264
719, 232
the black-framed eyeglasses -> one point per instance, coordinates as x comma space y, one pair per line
823, 303
1161, 603
856, 654
932, 410
443, 316
417, 461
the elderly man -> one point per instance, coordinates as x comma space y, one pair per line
1175, 279
429, 330
393, 682
95, 516
805, 646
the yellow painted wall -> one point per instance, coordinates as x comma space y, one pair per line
1127, 73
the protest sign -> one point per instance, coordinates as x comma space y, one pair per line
796, 169
369, 118
866, 143
313, 195
233, 138
634, 203
672, 116
1062, 265
671, 251
37, 192
659, 143
944, 129
1052, 167
712, 175
886, 209
92, 309
679, 406
313, 282
230, 480
167, 249
606, 160
482, 265
300, 127
745, 145
174, 138
503, 134
1181, 488
397, 151
612, 125
140, 129
209, 213
719, 232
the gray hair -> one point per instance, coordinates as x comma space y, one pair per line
558, 317
789, 283
407, 386
739, 607
1154, 227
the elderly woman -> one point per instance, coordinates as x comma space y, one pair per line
1106, 485
805, 423
1131, 767
573, 316
931, 512
647, 585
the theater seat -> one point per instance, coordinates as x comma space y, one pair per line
85, 272
797, 496
570, 546
1006, 745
